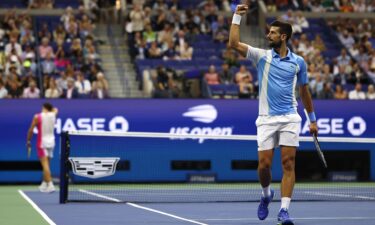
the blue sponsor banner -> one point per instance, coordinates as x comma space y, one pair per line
218, 117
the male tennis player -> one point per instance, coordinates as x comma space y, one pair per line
278, 123
45, 123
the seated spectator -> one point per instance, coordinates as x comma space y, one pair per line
14, 89
163, 85
244, 79
28, 53
141, 50
71, 91
370, 92
91, 54
341, 77
221, 35
327, 76
165, 36
316, 85
83, 85
45, 48
212, 77
154, 52
71, 28
52, 90
48, 65
357, 76
180, 39
346, 6
13, 46
318, 43
40, 4
357, 93
317, 7
99, 92
62, 82
185, 51
359, 6
101, 79
44, 32
67, 15
346, 39
160, 5
60, 61
271, 6
59, 33
13, 63
76, 49
343, 58
371, 72
327, 92
27, 36
3, 90
299, 22
85, 27
149, 35
340, 93
170, 53
226, 76
32, 91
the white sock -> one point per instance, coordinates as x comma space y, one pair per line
285, 201
50, 183
266, 191
43, 183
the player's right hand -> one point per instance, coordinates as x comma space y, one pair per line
241, 9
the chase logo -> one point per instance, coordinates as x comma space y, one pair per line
93, 167
202, 113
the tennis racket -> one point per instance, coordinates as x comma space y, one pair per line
317, 145
28, 151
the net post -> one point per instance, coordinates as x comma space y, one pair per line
64, 172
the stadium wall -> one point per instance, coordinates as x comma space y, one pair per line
225, 117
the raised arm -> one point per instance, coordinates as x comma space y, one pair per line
234, 35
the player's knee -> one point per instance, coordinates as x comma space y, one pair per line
264, 164
288, 163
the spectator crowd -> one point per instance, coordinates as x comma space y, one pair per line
55, 59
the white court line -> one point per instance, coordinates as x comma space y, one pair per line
141, 207
49, 221
339, 195
296, 218
100, 196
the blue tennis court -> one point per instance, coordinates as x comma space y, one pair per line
312, 212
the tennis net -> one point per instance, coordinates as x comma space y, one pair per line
162, 167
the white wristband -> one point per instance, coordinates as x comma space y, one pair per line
236, 19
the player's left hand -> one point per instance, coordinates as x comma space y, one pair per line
314, 128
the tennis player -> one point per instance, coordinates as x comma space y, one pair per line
278, 123
45, 123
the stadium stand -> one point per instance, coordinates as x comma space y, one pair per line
330, 59
43, 54
185, 38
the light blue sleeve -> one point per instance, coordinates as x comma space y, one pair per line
255, 54
302, 73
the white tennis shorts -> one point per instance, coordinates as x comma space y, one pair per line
273, 131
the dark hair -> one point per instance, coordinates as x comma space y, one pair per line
48, 106
285, 28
